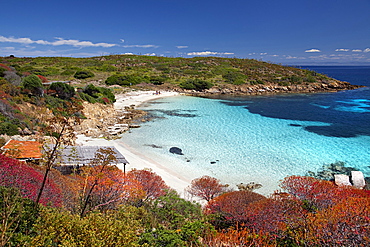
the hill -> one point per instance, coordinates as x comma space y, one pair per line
223, 75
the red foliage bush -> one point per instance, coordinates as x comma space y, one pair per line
5, 67
233, 205
206, 187
151, 183
319, 193
347, 223
16, 174
43, 79
275, 215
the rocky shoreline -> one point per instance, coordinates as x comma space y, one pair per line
262, 89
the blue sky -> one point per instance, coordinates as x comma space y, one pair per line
306, 32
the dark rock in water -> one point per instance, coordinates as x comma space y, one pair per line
152, 145
176, 150
213, 162
295, 125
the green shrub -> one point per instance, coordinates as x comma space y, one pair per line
157, 80
94, 94
34, 84
125, 80
86, 97
8, 128
196, 84
234, 77
83, 74
62, 90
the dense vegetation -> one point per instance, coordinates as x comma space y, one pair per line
131, 70
101, 206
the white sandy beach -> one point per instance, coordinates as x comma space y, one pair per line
138, 160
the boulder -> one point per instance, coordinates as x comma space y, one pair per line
358, 179
249, 187
341, 179
176, 150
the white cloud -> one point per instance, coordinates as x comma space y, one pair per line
150, 54
122, 41
345, 50
356, 50
140, 46
263, 53
59, 41
367, 50
182, 46
312, 50
208, 53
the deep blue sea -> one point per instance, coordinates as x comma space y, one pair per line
261, 139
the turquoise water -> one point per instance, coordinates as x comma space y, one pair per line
257, 139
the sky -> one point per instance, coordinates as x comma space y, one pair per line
289, 32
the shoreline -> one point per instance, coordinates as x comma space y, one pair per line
138, 160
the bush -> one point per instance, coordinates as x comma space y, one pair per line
2, 70
94, 94
234, 77
62, 90
8, 128
125, 80
157, 80
33, 84
196, 84
83, 74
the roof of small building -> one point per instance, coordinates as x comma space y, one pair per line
23, 149
83, 155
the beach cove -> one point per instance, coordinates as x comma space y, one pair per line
136, 159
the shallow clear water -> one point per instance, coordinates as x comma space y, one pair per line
259, 139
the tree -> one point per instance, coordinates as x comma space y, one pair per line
56, 227
34, 84
282, 216
16, 174
17, 216
152, 184
206, 188
83, 74
62, 90
346, 223
60, 129
231, 207
171, 211
104, 185
196, 84
319, 194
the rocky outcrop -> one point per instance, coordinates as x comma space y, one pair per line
105, 121
342, 179
260, 89
249, 186
358, 179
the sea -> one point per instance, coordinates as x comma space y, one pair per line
261, 139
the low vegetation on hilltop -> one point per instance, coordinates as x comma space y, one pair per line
130, 70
